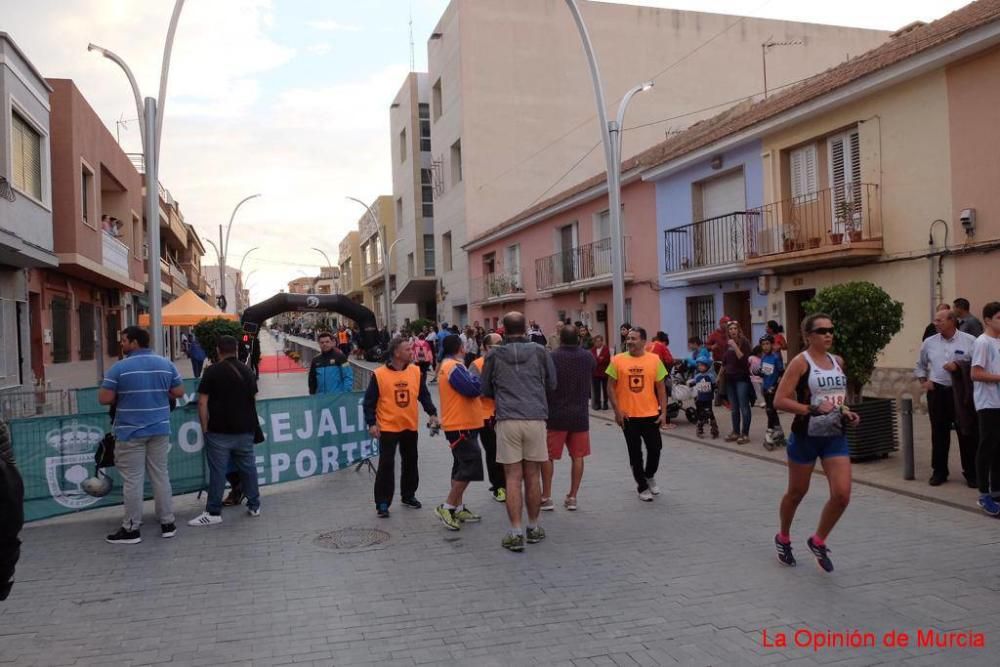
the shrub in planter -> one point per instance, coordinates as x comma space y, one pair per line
866, 318
208, 332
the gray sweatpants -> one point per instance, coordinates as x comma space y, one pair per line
139, 457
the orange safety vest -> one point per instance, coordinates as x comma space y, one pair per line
487, 406
458, 412
343, 337
637, 377
398, 392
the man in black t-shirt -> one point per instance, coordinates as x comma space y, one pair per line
228, 414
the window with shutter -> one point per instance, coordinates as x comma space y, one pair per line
803, 173
845, 174
27, 154
60, 330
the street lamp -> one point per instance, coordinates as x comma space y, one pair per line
150, 130
328, 262
611, 138
240, 270
386, 257
224, 246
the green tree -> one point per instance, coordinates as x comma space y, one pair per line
208, 332
866, 318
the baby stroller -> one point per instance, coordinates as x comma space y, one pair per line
680, 393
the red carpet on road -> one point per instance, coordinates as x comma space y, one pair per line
279, 364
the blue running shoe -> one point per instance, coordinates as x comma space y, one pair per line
785, 556
822, 554
989, 504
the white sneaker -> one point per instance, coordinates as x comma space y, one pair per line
547, 505
254, 513
205, 519
653, 488
646, 496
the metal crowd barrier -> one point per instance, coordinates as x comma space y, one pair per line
25, 403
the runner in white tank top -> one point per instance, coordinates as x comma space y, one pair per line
814, 389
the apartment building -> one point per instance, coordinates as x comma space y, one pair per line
413, 198
26, 239
97, 233
236, 300
350, 267
328, 281
511, 125
372, 261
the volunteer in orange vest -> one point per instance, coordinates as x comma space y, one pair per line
488, 432
639, 399
390, 406
461, 417
344, 340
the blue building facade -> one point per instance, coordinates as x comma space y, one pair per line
707, 225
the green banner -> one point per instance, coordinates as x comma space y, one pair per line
305, 436
86, 398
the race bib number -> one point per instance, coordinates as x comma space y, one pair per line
767, 369
703, 387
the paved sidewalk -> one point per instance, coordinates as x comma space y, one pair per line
886, 473
689, 579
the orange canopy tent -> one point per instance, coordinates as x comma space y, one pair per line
187, 310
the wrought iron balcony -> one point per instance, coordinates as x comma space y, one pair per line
834, 220
588, 264
842, 220
714, 242
497, 287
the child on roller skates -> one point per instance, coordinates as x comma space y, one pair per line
771, 370
704, 383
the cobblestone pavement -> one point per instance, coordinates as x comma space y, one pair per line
689, 579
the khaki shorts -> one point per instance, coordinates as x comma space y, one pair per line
521, 440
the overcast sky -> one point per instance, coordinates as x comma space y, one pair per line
290, 98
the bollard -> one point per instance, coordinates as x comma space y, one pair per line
906, 433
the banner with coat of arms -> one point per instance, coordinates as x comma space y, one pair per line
305, 436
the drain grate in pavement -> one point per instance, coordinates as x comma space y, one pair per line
351, 540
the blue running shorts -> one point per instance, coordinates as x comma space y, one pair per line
805, 449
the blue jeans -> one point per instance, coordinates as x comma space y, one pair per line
738, 393
219, 448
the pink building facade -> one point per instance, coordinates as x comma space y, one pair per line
553, 262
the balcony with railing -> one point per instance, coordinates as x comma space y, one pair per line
370, 271
709, 246
178, 278
497, 288
114, 254
831, 225
584, 266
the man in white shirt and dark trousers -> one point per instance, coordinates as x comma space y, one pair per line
938, 355
986, 393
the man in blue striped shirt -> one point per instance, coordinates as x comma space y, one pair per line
140, 387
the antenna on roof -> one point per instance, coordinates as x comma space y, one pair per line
768, 45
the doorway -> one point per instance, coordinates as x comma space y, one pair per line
794, 314
737, 306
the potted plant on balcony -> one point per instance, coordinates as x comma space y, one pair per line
847, 220
789, 236
866, 318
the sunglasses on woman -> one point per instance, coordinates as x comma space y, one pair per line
823, 331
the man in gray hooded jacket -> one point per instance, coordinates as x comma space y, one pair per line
517, 376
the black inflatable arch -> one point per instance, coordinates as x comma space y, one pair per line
334, 303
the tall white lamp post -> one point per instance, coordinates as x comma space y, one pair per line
150, 111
